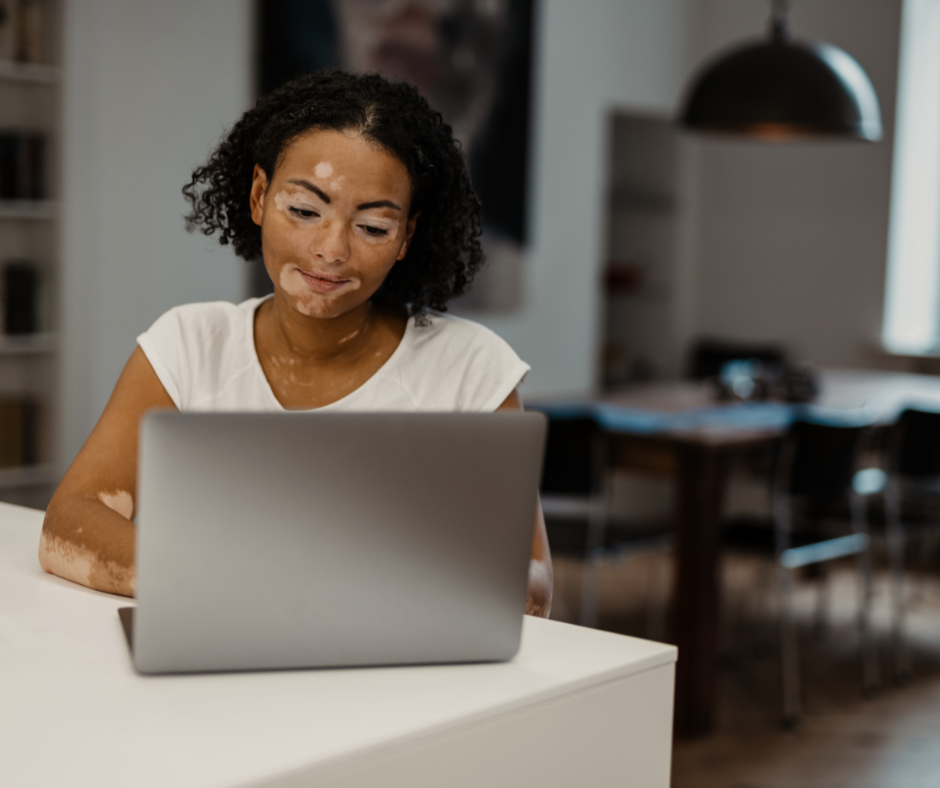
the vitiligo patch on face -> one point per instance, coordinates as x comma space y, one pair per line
323, 170
283, 199
292, 283
306, 300
390, 226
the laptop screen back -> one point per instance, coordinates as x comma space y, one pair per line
283, 540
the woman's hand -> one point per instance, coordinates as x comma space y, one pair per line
539, 596
88, 535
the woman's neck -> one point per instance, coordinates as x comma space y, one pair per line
318, 340
311, 362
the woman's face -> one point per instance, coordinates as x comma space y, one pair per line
334, 220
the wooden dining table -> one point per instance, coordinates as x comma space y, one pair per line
680, 428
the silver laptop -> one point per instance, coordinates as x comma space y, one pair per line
290, 540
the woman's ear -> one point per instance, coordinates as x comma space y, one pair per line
259, 186
409, 232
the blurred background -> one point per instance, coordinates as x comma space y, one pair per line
688, 302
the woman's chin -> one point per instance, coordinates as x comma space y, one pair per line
317, 308
322, 307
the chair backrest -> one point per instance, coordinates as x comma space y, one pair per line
914, 445
708, 356
570, 459
818, 460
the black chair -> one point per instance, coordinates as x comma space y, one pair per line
913, 461
575, 495
708, 356
813, 480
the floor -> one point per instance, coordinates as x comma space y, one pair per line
890, 740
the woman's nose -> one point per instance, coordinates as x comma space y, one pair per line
331, 244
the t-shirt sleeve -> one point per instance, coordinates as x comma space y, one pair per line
493, 371
479, 366
454, 364
164, 347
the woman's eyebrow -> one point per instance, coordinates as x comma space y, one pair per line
377, 204
307, 185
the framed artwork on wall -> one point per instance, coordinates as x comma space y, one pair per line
472, 60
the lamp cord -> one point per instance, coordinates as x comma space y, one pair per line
779, 21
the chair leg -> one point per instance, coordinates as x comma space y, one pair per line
870, 679
656, 598
728, 614
590, 589
764, 602
916, 593
789, 654
823, 598
591, 578
896, 546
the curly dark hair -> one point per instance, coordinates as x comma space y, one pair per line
444, 254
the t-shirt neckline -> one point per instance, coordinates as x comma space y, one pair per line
266, 385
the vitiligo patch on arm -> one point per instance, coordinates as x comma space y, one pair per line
83, 565
119, 501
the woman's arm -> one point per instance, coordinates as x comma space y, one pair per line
539, 598
88, 534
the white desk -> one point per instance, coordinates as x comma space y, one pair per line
576, 707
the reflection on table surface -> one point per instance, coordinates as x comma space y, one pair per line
691, 408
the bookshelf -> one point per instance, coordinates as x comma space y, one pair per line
34, 73
26, 478
41, 210
30, 131
27, 344
642, 209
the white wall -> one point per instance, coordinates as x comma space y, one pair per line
151, 86
790, 240
149, 89
592, 56
781, 243
786, 243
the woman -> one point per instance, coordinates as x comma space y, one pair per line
356, 195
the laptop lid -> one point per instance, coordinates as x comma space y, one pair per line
291, 540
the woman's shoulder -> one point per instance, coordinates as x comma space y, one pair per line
453, 363
208, 314
198, 348
437, 328
209, 325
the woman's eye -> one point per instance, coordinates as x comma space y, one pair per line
304, 213
375, 231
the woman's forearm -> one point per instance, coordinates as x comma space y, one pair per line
86, 541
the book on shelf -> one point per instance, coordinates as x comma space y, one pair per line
24, 31
19, 431
8, 35
22, 165
20, 301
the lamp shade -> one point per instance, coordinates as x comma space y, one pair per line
782, 89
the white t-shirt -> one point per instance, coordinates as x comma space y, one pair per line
205, 357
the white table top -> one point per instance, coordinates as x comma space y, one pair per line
74, 712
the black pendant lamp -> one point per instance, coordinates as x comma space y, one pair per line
784, 89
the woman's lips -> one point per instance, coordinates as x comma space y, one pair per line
322, 283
